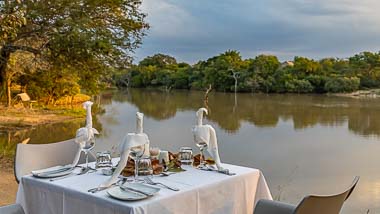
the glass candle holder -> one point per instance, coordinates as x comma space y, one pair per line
186, 155
103, 159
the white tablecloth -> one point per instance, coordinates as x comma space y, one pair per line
201, 192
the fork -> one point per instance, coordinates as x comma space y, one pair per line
151, 182
118, 183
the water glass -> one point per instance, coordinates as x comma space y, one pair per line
145, 166
202, 146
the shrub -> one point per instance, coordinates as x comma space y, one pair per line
342, 84
298, 86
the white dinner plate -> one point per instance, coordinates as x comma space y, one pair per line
130, 195
53, 174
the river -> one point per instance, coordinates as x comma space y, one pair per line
302, 143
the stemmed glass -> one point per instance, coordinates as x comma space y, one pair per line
86, 148
202, 146
136, 153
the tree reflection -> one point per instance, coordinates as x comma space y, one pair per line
264, 110
261, 110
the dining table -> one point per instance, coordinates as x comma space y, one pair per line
200, 192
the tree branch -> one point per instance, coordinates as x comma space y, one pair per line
13, 48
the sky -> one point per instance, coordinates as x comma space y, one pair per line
193, 30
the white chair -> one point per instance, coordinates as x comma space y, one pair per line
12, 209
31, 157
312, 204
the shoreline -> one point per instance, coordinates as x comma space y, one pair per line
16, 119
371, 93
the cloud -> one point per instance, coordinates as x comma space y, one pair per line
196, 30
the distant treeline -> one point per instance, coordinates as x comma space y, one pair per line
264, 73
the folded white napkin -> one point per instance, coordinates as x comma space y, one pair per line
130, 140
207, 134
84, 134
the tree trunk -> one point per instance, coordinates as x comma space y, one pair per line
8, 89
4, 58
71, 102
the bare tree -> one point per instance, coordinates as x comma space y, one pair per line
205, 99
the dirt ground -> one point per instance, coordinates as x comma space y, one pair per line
18, 119
8, 184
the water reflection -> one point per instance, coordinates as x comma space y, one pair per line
262, 110
41, 134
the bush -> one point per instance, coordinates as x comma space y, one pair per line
342, 84
366, 82
298, 86
318, 83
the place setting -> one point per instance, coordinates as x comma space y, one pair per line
136, 158
85, 138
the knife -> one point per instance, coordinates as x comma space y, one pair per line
124, 188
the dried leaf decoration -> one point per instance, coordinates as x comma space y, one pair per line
174, 165
197, 160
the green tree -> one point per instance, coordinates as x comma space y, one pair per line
85, 37
366, 66
304, 66
158, 60
218, 70
263, 68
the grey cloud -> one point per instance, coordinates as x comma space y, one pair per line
199, 29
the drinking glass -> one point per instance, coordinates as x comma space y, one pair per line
202, 146
145, 166
86, 148
136, 153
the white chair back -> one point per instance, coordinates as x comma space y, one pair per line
31, 157
12, 209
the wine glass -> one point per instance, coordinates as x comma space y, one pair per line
86, 148
136, 153
202, 146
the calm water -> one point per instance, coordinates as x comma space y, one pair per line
302, 143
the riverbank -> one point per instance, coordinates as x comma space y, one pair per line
371, 93
20, 117
14, 119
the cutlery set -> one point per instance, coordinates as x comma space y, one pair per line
132, 191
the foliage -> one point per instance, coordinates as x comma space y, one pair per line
342, 84
264, 73
83, 38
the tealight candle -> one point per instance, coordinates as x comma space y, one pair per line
154, 152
